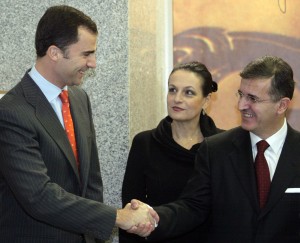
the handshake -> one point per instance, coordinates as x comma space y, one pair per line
138, 218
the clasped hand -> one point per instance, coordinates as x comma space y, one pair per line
138, 218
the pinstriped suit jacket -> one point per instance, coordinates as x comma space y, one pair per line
43, 198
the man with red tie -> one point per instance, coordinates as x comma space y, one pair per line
50, 180
246, 184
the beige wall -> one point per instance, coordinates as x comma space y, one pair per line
150, 61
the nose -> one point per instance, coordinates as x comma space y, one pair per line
243, 103
178, 97
91, 61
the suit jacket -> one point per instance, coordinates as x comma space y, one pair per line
43, 197
223, 190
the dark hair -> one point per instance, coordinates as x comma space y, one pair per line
282, 83
59, 26
201, 71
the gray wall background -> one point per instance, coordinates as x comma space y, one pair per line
108, 88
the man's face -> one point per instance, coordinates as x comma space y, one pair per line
259, 113
77, 59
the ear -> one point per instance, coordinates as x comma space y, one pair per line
206, 101
54, 53
283, 105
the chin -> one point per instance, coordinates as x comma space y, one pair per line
248, 127
77, 82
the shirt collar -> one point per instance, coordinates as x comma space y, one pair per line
275, 141
50, 90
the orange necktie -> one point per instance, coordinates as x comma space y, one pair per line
69, 126
262, 173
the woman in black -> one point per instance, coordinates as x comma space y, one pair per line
161, 160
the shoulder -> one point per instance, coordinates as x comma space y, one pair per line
14, 102
227, 137
293, 136
208, 126
144, 136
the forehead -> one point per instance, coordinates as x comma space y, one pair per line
185, 77
256, 87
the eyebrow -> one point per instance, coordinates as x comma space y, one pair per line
185, 87
249, 95
88, 52
252, 96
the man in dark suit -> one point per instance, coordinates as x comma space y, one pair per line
50, 181
229, 191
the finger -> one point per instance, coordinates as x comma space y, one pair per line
137, 229
146, 230
135, 203
154, 215
133, 229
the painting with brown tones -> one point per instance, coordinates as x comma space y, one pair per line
226, 36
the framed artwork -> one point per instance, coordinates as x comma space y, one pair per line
227, 35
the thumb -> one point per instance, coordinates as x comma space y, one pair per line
135, 203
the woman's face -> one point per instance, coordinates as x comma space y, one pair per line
185, 98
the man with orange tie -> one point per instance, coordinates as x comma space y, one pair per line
50, 181
246, 184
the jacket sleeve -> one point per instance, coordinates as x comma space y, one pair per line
193, 206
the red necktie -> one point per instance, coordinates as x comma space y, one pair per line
69, 126
262, 173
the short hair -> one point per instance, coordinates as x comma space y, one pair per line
280, 72
59, 26
202, 72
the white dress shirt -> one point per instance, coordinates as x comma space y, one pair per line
273, 152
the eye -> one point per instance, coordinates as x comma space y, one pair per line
239, 94
88, 53
172, 90
252, 99
190, 92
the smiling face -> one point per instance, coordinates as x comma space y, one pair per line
185, 99
264, 117
76, 60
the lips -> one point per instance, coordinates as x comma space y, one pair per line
176, 108
247, 115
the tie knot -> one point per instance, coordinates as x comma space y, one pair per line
64, 96
262, 146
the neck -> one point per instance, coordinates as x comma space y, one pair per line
186, 132
46, 68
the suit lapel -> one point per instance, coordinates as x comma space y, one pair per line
286, 171
242, 160
81, 136
47, 117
